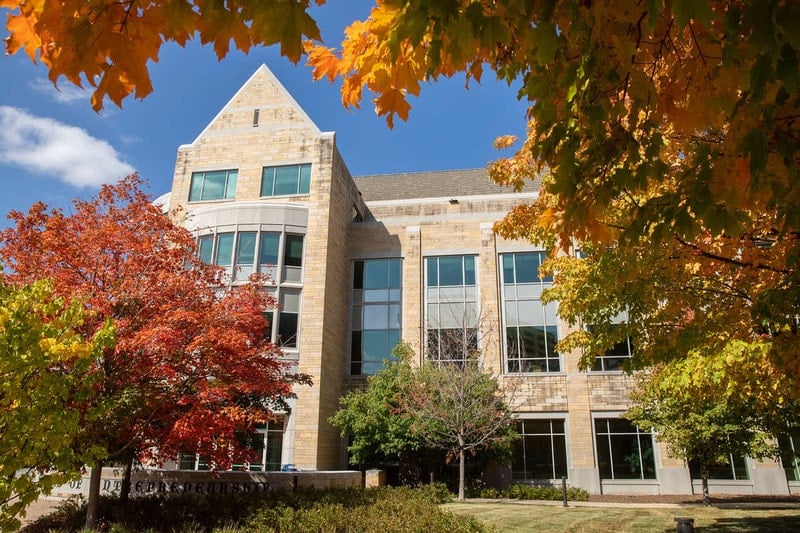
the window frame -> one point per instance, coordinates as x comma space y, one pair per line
302, 180
551, 435
521, 297
638, 434
229, 186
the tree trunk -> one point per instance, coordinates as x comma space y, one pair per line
706, 499
461, 475
94, 496
125, 487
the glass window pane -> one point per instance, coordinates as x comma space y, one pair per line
376, 274
230, 185
358, 275
206, 248
224, 249
433, 271
286, 180
469, 270
246, 248
287, 329
267, 181
293, 252
395, 273
508, 269
376, 317
527, 267
305, 179
530, 312
214, 185
268, 250
195, 195
290, 301
451, 271
375, 345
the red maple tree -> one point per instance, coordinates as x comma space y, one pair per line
192, 370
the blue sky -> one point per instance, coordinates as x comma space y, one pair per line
54, 147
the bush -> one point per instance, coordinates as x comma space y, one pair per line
531, 492
332, 510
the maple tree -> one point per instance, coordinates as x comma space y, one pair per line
697, 426
45, 371
191, 370
108, 44
665, 135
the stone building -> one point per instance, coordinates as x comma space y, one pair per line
360, 263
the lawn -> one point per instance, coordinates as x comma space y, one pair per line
509, 517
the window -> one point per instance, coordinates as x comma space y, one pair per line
217, 185
205, 248
293, 258
376, 313
615, 357
623, 450
287, 318
451, 307
224, 249
266, 444
789, 447
245, 254
285, 180
531, 327
733, 467
541, 452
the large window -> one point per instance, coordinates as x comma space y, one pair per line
789, 446
451, 307
286, 180
733, 467
541, 452
376, 313
266, 443
246, 252
614, 359
531, 327
623, 450
217, 185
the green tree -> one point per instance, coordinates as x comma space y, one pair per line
372, 417
46, 378
458, 408
697, 426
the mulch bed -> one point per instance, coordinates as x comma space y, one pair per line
693, 498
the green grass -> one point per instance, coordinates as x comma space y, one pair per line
509, 517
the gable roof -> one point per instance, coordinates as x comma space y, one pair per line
435, 184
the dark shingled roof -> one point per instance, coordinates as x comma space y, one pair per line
436, 184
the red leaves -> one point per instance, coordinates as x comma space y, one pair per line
190, 358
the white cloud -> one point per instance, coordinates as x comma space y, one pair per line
65, 93
65, 152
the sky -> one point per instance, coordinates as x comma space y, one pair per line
54, 147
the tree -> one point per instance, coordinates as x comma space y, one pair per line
380, 432
456, 407
665, 135
697, 426
192, 370
108, 44
45, 372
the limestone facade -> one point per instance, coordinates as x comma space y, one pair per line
344, 221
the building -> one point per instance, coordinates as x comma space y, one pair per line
360, 263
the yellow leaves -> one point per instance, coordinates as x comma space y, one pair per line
323, 60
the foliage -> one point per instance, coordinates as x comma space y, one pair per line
371, 416
529, 492
665, 135
332, 509
696, 425
45, 370
458, 408
109, 44
191, 369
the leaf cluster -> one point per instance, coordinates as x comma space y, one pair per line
47, 388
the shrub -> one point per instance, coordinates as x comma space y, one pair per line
531, 492
332, 510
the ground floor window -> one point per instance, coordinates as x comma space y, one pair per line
541, 452
789, 446
624, 451
266, 443
734, 467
